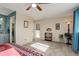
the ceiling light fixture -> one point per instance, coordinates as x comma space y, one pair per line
34, 5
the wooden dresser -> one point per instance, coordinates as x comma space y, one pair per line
48, 36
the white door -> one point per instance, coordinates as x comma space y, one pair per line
37, 31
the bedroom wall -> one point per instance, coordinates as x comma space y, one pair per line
50, 23
23, 35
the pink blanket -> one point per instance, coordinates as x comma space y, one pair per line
6, 50
9, 52
17, 50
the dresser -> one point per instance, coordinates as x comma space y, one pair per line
48, 36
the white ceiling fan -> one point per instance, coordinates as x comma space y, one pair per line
34, 5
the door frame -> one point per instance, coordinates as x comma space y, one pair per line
10, 15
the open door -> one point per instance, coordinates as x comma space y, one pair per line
12, 29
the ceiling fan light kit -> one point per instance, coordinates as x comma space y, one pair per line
34, 5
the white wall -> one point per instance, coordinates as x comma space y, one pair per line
50, 23
23, 35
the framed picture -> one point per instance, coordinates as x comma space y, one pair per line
25, 24
57, 26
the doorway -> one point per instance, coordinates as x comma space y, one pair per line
12, 29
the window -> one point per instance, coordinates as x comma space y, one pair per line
2, 24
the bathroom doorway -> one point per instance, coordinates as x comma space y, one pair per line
12, 29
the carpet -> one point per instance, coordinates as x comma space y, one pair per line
40, 46
20, 49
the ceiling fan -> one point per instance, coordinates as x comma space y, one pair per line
34, 6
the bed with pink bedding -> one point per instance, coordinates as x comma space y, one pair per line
17, 50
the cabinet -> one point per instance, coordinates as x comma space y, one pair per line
48, 36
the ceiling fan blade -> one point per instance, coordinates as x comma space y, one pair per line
38, 7
42, 3
28, 8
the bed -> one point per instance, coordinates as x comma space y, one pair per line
8, 49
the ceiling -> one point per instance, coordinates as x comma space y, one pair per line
48, 10
5, 11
